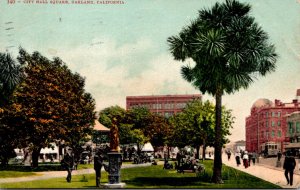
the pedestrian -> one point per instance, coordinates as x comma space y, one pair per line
238, 158
68, 163
228, 154
249, 158
245, 159
98, 163
279, 155
254, 156
289, 166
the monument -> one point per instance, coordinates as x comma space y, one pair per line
114, 158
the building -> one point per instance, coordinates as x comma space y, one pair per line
165, 105
266, 126
293, 132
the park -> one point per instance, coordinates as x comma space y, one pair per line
62, 129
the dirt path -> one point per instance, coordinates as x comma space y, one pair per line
56, 174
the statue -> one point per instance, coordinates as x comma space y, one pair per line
114, 136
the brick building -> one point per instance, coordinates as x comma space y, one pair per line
267, 123
293, 132
166, 105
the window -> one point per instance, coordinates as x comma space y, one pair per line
297, 127
279, 114
167, 106
291, 128
278, 123
154, 106
279, 133
180, 105
267, 124
158, 106
273, 123
267, 114
273, 114
273, 133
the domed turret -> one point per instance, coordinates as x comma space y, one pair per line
262, 102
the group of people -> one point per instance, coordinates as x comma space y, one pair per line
245, 157
288, 165
68, 163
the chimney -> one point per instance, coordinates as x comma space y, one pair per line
298, 95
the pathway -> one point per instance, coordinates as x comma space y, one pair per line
56, 174
265, 172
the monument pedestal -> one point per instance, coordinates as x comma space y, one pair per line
114, 167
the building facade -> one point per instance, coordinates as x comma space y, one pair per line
293, 132
165, 105
266, 127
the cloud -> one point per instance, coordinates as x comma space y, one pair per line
113, 72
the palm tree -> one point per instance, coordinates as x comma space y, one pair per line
229, 50
10, 75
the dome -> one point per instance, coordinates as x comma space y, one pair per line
262, 103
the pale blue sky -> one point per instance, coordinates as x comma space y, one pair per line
122, 49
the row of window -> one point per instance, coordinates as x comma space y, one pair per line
267, 134
159, 105
166, 114
273, 124
273, 114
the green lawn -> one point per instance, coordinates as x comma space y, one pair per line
6, 174
155, 177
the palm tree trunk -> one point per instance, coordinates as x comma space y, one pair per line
217, 172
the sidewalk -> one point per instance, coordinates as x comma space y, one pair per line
265, 172
56, 174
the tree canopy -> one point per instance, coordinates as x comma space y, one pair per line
229, 51
50, 104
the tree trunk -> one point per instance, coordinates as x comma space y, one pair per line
35, 157
217, 171
198, 151
203, 151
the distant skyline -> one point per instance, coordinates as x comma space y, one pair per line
122, 50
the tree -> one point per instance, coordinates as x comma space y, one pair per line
11, 74
195, 125
127, 133
50, 104
229, 50
157, 131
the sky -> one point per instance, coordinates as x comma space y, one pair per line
122, 50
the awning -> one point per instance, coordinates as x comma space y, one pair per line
99, 127
293, 145
148, 147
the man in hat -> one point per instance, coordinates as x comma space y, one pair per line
98, 163
68, 163
289, 166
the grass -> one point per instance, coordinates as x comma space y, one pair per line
156, 177
7, 174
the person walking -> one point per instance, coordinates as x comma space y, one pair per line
249, 158
68, 163
238, 158
245, 159
228, 154
98, 163
289, 166
254, 156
